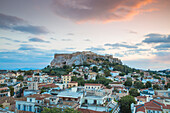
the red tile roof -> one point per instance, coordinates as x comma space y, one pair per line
152, 105
88, 84
141, 97
47, 85
40, 96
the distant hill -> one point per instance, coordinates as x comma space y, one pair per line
79, 58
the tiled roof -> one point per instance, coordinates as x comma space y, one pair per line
88, 84
40, 96
141, 97
152, 105
4, 88
22, 99
47, 85
10, 100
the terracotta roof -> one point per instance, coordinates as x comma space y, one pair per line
88, 84
141, 97
4, 88
10, 100
40, 96
90, 111
152, 105
47, 85
22, 99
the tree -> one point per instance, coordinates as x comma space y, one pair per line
107, 72
125, 103
167, 86
139, 85
148, 84
134, 92
95, 69
20, 78
156, 87
128, 82
11, 90
163, 81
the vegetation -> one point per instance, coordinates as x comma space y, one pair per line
134, 92
128, 82
95, 69
100, 80
139, 85
59, 110
11, 90
156, 87
125, 103
20, 78
148, 84
54, 71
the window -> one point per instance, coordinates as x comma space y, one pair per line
19, 106
24, 109
30, 100
30, 108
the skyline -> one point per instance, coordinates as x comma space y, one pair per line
135, 31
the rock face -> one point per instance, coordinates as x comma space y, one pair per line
79, 58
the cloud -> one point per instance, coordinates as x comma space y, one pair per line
95, 49
87, 40
38, 40
70, 34
163, 46
27, 47
9, 39
66, 40
157, 38
70, 48
133, 32
162, 57
31, 29
98, 10
18, 24
116, 45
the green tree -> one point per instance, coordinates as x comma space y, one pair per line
148, 84
134, 92
156, 87
20, 78
125, 103
128, 82
163, 81
11, 90
167, 86
107, 72
95, 69
139, 85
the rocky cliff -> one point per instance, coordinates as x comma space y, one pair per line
79, 57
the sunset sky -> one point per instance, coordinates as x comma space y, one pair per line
135, 31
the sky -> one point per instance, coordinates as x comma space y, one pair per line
135, 31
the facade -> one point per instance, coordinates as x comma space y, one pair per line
88, 86
72, 84
164, 93
32, 89
66, 78
32, 103
4, 91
